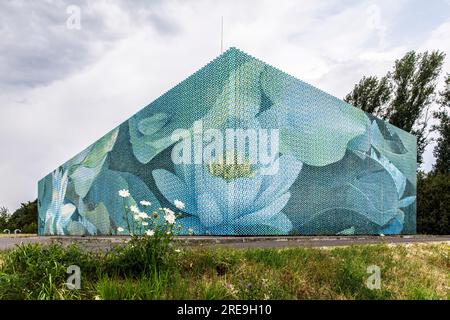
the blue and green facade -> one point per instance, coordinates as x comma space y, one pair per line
339, 170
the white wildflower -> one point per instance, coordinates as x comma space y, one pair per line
168, 211
150, 233
124, 193
143, 215
145, 203
137, 217
134, 209
179, 204
120, 229
144, 223
169, 216
170, 219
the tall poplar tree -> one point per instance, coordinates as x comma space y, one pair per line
442, 149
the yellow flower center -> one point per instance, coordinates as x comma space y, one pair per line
230, 171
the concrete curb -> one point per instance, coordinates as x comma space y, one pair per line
107, 242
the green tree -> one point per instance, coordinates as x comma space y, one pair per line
370, 94
24, 218
442, 149
403, 96
433, 203
4, 218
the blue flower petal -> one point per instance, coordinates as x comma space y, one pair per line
208, 210
393, 227
186, 173
223, 230
277, 225
190, 223
281, 222
263, 215
289, 169
241, 194
173, 188
205, 182
398, 177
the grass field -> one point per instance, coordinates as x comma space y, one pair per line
420, 271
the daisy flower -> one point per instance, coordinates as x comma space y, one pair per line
124, 193
145, 203
179, 204
134, 209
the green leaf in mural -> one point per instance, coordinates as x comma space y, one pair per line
105, 190
406, 162
398, 177
347, 232
75, 228
391, 140
83, 177
45, 192
99, 217
104, 194
398, 146
240, 98
83, 174
100, 149
317, 133
222, 100
143, 134
314, 126
74, 163
150, 125
361, 189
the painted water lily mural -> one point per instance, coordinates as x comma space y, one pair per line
247, 203
338, 170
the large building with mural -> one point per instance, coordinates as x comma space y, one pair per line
247, 150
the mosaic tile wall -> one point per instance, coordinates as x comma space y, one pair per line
340, 170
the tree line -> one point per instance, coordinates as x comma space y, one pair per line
24, 218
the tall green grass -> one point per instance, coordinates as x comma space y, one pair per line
143, 270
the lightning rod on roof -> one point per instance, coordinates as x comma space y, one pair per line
221, 36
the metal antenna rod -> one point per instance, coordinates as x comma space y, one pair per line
221, 37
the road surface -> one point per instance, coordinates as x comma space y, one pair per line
105, 243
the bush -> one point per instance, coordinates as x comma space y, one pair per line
433, 203
24, 218
4, 218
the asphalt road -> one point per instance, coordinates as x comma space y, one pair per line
105, 243
10, 242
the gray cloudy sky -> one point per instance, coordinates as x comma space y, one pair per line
61, 89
